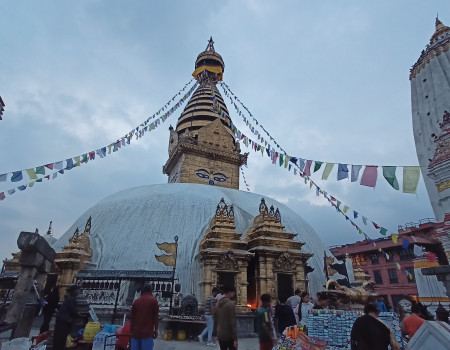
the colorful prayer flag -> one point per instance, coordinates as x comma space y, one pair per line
16, 176
383, 231
317, 165
405, 243
355, 172
389, 175
369, 176
342, 172
327, 171
394, 237
411, 176
307, 170
31, 174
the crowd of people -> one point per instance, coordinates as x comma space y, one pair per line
368, 331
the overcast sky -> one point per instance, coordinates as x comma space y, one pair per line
328, 79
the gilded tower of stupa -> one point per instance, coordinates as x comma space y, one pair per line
202, 148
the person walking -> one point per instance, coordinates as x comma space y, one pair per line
284, 315
144, 320
263, 324
225, 323
209, 304
370, 333
65, 317
51, 304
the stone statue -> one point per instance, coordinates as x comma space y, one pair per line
358, 295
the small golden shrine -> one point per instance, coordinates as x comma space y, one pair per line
223, 256
75, 256
267, 260
279, 265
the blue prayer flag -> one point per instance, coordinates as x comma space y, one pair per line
405, 243
16, 176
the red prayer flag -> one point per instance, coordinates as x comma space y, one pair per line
332, 198
2, 196
369, 176
431, 256
376, 226
50, 166
91, 155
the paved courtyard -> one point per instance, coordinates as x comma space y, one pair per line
243, 344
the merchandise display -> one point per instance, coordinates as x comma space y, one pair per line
335, 326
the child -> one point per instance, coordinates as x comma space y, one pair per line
263, 324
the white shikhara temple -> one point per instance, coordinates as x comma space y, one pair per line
430, 97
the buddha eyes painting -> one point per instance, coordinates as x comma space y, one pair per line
212, 179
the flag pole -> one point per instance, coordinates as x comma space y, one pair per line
173, 275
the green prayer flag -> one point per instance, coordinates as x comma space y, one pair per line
85, 158
389, 175
338, 203
383, 231
31, 174
411, 176
281, 159
40, 170
317, 165
327, 171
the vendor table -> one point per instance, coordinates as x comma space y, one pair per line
185, 325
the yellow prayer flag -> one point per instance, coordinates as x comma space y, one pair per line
310, 184
286, 160
31, 174
327, 171
169, 248
168, 260
345, 209
411, 176
394, 237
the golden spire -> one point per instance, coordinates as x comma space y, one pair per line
440, 29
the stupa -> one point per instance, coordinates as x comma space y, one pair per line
260, 245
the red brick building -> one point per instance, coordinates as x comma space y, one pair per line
391, 283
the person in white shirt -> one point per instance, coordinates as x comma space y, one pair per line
303, 308
294, 300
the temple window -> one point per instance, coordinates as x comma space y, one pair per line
393, 276
377, 277
374, 258
406, 254
411, 271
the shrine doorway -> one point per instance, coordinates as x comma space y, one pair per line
226, 279
285, 286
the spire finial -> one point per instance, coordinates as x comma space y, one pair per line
210, 46
49, 231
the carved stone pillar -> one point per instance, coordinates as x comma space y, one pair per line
35, 260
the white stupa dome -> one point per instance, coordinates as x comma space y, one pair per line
126, 225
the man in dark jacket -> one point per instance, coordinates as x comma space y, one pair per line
285, 315
225, 323
144, 320
52, 301
369, 333
65, 317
